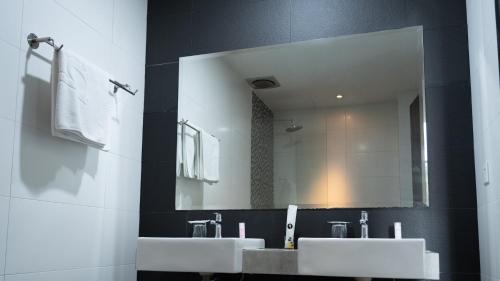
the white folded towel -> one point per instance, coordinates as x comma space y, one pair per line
178, 162
82, 100
209, 157
190, 152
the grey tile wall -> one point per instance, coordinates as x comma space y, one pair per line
180, 28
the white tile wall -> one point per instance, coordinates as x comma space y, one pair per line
9, 56
110, 273
10, 21
70, 212
485, 86
4, 217
225, 112
6, 144
346, 157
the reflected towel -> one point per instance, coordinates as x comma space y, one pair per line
190, 152
209, 157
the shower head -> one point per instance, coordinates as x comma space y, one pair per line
293, 128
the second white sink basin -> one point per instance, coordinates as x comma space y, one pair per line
207, 255
382, 258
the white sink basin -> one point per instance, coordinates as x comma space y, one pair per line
207, 255
377, 258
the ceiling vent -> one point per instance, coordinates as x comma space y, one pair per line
261, 83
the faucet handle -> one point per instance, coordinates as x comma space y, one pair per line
218, 217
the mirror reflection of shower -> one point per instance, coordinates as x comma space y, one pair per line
293, 126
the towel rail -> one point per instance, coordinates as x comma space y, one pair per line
185, 122
34, 42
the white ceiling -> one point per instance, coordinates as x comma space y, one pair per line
363, 68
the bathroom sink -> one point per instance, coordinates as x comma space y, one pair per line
210, 255
372, 258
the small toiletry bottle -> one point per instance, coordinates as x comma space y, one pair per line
290, 227
397, 230
242, 229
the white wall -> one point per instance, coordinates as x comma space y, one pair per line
213, 97
483, 55
68, 212
343, 157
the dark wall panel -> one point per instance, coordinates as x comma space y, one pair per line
181, 28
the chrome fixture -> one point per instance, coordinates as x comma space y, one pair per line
338, 229
34, 42
218, 225
293, 127
364, 224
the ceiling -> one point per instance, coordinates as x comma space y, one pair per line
363, 68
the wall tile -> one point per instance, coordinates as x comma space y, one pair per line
157, 195
130, 70
111, 273
4, 219
129, 28
221, 25
172, 224
446, 55
451, 182
9, 56
430, 13
162, 83
47, 18
160, 7
118, 242
66, 237
126, 132
324, 18
123, 183
54, 169
10, 21
95, 13
169, 37
6, 145
449, 116
160, 136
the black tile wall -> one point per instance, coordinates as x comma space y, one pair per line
180, 28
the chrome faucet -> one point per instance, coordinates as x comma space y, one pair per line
364, 224
218, 225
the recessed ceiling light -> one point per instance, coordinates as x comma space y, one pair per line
339, 96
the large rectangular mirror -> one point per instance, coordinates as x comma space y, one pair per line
329, 123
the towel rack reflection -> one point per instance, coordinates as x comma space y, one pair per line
34, 42
185, 122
